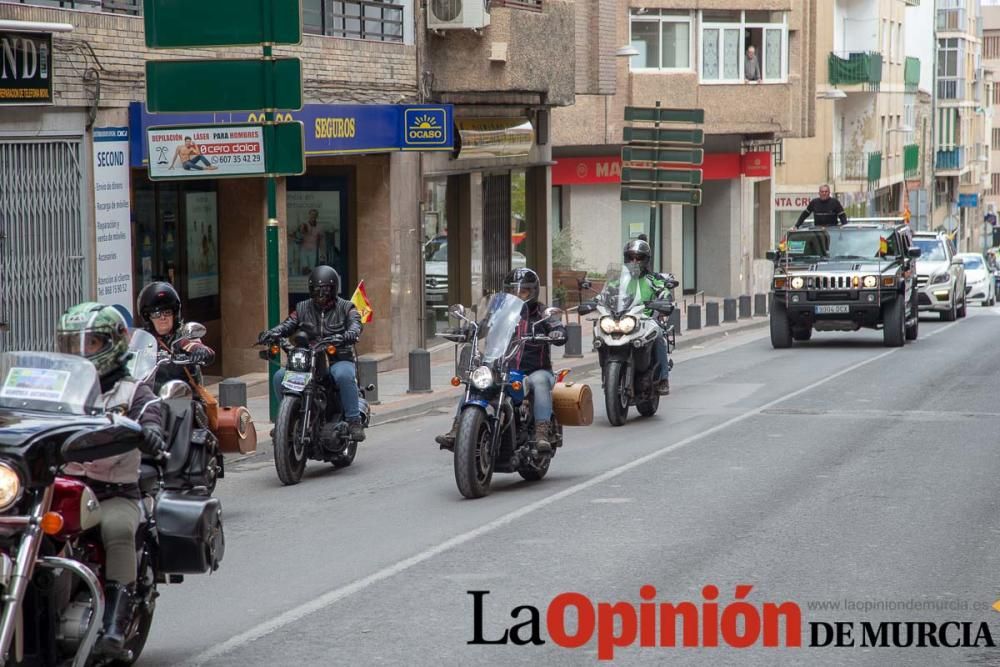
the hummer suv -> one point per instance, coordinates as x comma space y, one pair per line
844, 277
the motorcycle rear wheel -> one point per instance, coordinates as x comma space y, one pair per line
137, 642
473, 460
287, 462
347, 458
535, 474
648, 406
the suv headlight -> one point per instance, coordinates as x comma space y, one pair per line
482, 378
870, 282
10, 486
940, 278
798, 282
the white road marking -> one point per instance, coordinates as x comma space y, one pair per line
332, 597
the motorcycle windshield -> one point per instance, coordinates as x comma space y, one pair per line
142, 360
502, 317
621, 290
48, 382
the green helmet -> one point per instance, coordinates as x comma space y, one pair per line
97, 332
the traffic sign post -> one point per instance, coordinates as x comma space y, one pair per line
213, 85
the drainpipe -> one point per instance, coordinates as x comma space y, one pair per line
932, 195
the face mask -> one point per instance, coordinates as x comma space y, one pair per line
635, 268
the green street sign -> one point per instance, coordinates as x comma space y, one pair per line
659, 135
694, 156
662, 115
668, 176
236, 150
176, 24
189, 86
660, 196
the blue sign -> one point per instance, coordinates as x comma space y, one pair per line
968, 201
330, 129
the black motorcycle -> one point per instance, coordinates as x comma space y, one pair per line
311, 422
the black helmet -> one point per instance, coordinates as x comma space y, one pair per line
637, 255
157, 297
523, 279
324, 285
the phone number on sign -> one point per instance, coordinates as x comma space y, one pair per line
235, 159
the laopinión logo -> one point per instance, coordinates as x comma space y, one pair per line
425, 126
572, 620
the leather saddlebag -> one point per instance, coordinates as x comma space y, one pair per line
236, 431
573, 404
190, 531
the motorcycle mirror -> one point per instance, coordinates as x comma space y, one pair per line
586, 284
552, 311
120, 436
193, 330
175, 389
587, 308
457, 310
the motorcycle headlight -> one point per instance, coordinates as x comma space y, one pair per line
798, 282
299, 361
10, 486
870, 282
482, 378
627, 325
940, 278
608, 325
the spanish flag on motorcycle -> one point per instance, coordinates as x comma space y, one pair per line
361, 302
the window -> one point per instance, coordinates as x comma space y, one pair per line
996, 184
996, 138
663, 39
133, 7
727, 36
373, 20
991, 46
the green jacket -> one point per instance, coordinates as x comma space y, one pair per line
646, 288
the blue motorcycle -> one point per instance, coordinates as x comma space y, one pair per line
496, 425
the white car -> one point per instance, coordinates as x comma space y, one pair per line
979, 283
436, 273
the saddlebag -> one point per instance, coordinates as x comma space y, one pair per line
573, 404
190, 531
236, 431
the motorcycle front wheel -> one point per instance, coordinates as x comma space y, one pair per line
473, 459
615, 393
289, 452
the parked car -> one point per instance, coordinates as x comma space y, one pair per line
940, 276
979, 280
436, 273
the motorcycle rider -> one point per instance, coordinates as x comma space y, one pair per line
99, 333
650, 286
327, 314
535, 359
159, 308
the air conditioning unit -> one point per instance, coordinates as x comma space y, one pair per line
458, 14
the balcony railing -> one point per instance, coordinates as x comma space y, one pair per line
133, 7
951, 89
354, 19
532, 5
951, 160
912, 3
874, 166
911, 161
855, 166
856, 68
951, 20
911, 74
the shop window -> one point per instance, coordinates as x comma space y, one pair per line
317, 231
435, 254
518, 220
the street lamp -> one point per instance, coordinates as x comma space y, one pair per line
831, 94
627, 51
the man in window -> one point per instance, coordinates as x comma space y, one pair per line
751, 68
826, 210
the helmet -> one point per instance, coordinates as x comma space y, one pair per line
636, 255
157, 297
523, 279
324, 285
97, 332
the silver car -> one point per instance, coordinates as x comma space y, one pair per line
980, 286
940, 276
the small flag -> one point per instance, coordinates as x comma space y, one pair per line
883, 246
361, 302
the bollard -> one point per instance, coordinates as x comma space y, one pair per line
420, 372
368, 377
729, 310
760, 305
232, 393
675, 321
712, 314
574, 341
694, 316
745, 307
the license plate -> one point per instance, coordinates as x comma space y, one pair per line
295, 380
833, 309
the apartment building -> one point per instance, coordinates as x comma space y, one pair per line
991, 62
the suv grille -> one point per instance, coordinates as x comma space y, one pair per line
922, 281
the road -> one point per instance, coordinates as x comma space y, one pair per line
836, 470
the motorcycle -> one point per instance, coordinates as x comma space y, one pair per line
311, 423
496, 424
51, 555
624, 336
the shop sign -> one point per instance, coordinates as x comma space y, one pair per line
199, 152
715, 167
587, 170
968, 200
112, 217
757, 165
784, 201
494, 138
25, 68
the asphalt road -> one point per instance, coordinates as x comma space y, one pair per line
835, 471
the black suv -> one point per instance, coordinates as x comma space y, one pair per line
842, 278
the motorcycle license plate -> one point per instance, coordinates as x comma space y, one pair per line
296, 381
833, 309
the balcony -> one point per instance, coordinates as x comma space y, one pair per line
855, 68
950, 160
912, 3
855, 166
951, 89
911, 161
951, 20
354, 19
133, 7
911, 74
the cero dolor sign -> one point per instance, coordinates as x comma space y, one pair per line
25, 68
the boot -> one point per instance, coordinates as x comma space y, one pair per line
542, 444
447, 441
357, 430
117, 615
663, 387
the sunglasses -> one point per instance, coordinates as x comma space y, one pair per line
632, 257
160, 314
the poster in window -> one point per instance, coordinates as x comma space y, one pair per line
202, 244
313, 235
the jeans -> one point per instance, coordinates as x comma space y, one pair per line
538, 386
660, 348
193, 163
343, 374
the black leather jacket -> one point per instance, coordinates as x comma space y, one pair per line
538, 356
169, 372
338, 320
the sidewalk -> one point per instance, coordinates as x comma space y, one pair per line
396, 403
